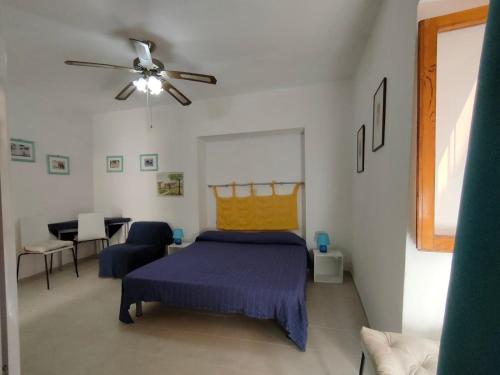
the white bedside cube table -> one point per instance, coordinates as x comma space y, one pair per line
328, 267
173, 248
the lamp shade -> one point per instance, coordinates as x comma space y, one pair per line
178, 235
322, 241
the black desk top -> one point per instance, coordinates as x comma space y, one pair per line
72, 225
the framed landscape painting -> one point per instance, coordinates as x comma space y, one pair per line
149, 162
22, 150
170, 184
57, 164
114, 163
361, 149
378, 131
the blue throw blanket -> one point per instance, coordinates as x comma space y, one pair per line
261, 275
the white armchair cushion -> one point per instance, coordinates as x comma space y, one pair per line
47, 246
397, 354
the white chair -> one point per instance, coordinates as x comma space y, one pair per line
35, 240
91, 227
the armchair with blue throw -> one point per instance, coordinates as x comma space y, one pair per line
145, 243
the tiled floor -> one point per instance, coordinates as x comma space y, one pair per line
74, 329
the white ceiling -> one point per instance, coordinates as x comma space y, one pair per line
249, 45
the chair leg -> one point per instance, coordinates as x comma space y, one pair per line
46, 271
75, 261
18, 264
51, 258
362, 364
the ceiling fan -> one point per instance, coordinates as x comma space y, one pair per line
153, 75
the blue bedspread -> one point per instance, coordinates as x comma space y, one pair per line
261, 275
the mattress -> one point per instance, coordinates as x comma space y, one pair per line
261, 275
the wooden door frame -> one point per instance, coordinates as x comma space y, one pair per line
428, 31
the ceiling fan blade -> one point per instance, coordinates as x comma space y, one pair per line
205, 78
144, 53
126, 92
172, 90
99, 65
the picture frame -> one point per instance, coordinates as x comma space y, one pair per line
114, 164
379, 114
170, 184
57, 164
148, 162
360, 151
22, 150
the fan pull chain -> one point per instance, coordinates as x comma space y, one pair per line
150, 110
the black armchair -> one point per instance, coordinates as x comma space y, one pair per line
145, 243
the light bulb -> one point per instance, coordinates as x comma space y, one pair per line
154, 85
141, 84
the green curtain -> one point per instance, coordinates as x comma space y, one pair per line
470, 342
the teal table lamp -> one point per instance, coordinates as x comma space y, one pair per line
178, 235
322, 241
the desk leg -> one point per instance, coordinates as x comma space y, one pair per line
59, 257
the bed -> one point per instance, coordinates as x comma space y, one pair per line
261, 275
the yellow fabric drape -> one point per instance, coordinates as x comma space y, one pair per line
257, 212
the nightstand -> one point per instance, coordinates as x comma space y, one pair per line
328, 267
173, 248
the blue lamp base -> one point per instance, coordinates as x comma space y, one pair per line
323, 248
178, 241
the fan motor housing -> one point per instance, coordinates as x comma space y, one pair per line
158, 63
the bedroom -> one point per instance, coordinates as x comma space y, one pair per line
281, 121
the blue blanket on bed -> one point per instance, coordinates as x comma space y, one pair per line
261, 275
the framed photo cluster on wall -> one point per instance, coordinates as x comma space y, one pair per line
378, 127
24, 151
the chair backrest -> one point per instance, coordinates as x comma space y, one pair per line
34, 230
91, 227
155, 233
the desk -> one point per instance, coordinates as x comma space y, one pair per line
66, 230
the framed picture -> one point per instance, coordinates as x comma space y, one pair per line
114, 163
22, 150
378, 133
170, 184
57, 164
361, 150
149, 162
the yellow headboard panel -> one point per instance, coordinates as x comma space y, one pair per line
257, 212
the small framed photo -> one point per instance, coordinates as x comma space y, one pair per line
361, 149
114, 163
149, 162
22, 150
379, 99
170, 184
57, 164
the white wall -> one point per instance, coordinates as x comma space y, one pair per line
252, 157
324, 111
380, 194
9, 312
427, 274
34, 192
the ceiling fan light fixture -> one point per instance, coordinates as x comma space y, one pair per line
154, 85
141, 84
